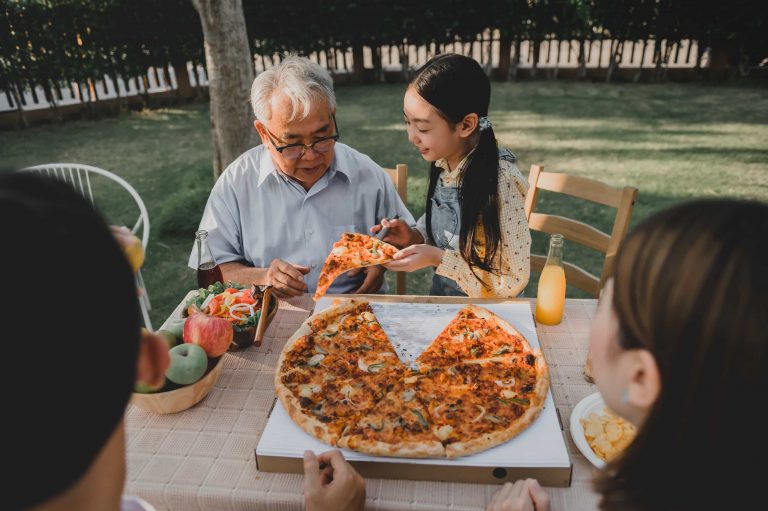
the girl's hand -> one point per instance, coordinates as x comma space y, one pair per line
400, 234
416, 257
331, 483
523, 495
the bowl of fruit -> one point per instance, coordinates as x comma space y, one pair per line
242, 307
191, 375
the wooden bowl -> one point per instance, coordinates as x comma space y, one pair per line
182, 398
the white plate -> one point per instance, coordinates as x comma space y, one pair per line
591, 403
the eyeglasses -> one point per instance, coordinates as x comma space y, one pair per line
297, 150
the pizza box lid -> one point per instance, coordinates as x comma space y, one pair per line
539, 451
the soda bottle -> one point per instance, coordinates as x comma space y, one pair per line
208, 270
550, 297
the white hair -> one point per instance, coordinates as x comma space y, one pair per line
303, 81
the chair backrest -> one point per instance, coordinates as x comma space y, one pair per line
79, 176
399, 176
622, 199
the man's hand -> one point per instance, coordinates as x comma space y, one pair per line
400, 234
331, 483
523, 495
374, 278
287, 279
416, 257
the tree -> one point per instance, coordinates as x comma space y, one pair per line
230, 74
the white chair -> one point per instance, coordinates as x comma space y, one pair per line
80, 177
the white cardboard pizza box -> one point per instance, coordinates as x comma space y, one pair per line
539, 451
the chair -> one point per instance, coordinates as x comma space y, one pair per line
80, 177
399, 176
623, 199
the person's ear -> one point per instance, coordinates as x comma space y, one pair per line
153, 360
645, 385
467, 125
261, 131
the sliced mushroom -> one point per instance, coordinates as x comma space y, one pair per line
508, 394
408, 395
505, 383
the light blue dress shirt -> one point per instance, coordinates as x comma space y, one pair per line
256, 214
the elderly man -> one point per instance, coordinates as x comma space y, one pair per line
275, 212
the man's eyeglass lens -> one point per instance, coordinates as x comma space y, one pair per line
294, 152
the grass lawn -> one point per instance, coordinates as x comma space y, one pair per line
673, 142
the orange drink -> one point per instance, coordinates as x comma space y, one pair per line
550, 297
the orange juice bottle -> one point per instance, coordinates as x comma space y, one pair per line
550, 297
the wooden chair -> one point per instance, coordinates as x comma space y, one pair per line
99, 186
399, 176
623, 199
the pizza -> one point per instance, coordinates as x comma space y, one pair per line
477, 385
353, 250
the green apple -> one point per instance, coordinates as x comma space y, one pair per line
188, 364
176, 326
143, 388
169, 337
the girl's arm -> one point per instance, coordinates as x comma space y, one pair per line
514, 253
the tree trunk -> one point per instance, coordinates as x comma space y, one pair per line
582, 72
639, 73
505, 57
536, 53
358, 64
402, 50
515, 60
230, 75
378, 69
49, 96
184, 89
617, 53
21, 117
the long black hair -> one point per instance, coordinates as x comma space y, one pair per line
457, 86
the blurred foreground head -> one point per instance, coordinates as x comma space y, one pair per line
70, 336
691, 287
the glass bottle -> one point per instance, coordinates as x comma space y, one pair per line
550, 297
208, 270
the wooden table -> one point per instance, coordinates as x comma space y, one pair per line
203, 458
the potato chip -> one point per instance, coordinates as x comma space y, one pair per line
607, 433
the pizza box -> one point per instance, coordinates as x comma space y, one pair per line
411, 323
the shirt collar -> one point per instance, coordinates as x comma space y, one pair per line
443, 163
268, 164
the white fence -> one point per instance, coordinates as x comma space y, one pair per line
485, 49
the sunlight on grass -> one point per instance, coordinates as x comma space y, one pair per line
673, 142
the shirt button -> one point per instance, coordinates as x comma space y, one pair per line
313, 265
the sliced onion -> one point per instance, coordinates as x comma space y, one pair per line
444, 432
480, 415
505, 383
206, 301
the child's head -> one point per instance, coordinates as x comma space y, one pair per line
70, 336
443, 105
680, 347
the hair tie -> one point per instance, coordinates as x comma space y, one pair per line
484, 123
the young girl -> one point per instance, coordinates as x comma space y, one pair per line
474, 230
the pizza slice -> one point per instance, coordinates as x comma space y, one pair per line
398, 425
477, 405
353, 250
474, 333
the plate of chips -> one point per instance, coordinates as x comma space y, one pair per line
598, 432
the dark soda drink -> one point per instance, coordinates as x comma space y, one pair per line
208, 273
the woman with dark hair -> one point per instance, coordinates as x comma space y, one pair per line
679, 347
474, 231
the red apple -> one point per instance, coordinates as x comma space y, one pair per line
212, 334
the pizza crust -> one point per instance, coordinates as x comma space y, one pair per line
309, 424
404, 449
